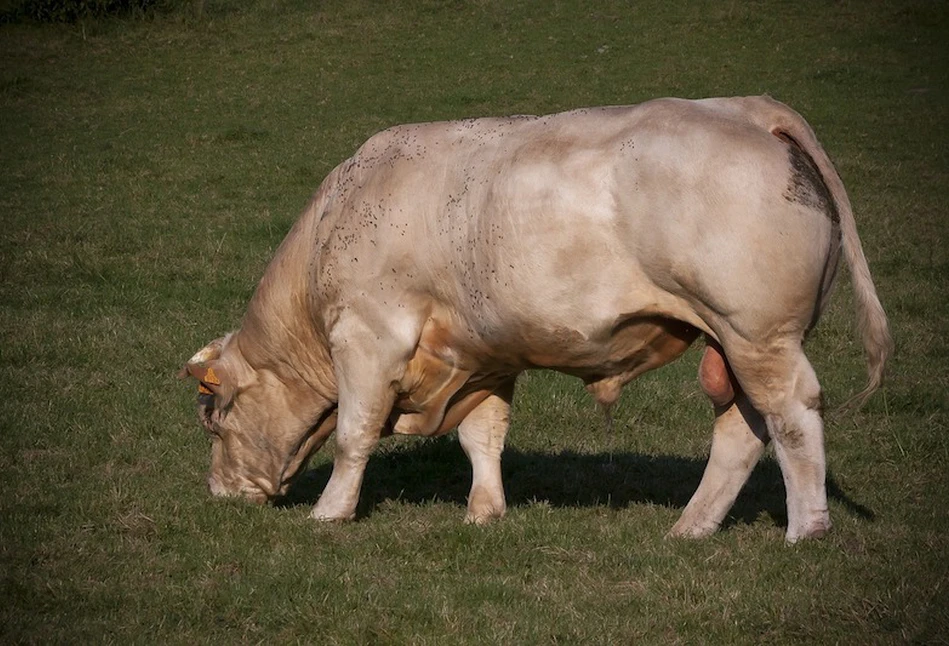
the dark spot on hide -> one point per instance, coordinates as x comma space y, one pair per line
788, 435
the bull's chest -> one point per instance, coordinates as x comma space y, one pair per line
436, 394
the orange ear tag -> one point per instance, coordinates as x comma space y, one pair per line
204, 390
211, 378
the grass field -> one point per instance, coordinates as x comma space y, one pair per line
150, 167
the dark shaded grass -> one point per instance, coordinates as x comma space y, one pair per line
150, 169
426, 471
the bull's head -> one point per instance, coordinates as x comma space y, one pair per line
263, 427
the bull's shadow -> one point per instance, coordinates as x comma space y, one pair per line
437, 470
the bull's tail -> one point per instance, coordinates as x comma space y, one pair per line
874, 330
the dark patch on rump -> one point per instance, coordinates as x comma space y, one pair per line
806, 184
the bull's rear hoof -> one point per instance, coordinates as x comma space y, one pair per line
814, 530
484, 515
330, 519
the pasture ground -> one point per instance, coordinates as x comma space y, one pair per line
151, 166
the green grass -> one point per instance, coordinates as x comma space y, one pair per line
150, 168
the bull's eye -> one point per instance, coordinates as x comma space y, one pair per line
206, 417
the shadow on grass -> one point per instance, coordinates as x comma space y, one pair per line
437, 470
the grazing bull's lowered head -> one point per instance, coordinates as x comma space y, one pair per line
262, 430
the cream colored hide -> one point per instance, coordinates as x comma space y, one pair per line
443, 259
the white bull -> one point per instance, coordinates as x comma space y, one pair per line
443, 259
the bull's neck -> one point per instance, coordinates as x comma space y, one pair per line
279, 331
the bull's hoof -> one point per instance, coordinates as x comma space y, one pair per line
692, 530
815, 529
331, 515
484, 506
483, 518
331, 519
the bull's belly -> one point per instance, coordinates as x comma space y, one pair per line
633, 342
446, 379
633, 346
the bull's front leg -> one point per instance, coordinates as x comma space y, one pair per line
356, 436
365, 401
481, 435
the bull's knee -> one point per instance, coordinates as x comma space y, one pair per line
714, 377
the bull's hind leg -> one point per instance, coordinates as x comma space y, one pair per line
737, 444
481, 434
782, 386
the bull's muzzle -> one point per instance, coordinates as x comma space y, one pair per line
248, 491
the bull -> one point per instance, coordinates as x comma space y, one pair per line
443, 259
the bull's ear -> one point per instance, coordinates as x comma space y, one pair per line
208, 353
215, 379
212, 374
